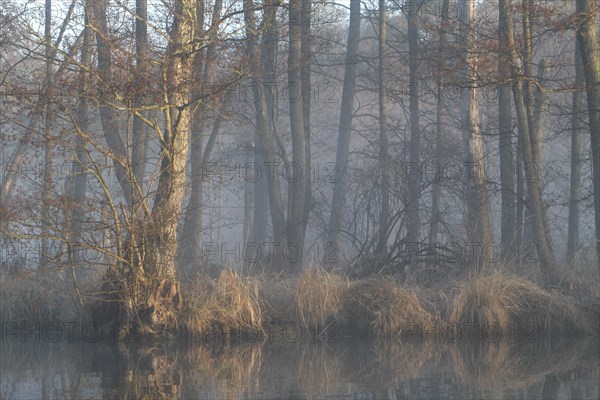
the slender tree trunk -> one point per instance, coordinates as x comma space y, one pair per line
47, 174
576, 158
414, 179
479, 225
439, 130
248, 216
384, 216
345, 126
587, 38
507, 161
298, 184
305, 72
547, 260
78, 170
108, 116
191, 243
138, 148
264, 130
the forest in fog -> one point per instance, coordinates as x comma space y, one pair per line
153, 153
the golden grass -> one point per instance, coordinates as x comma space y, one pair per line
501, 301
319, 298
229, 304
385, 309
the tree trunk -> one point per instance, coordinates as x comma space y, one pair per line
108, 116
47, 174
298, 184
414, 179
507, 161
576, 160
265, 133
338, 202
305, 72
138, 148
191, 243
384, 216
439, 130
479, 228
587, 39
547, 261
78, 170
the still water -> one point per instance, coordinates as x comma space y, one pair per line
305, 369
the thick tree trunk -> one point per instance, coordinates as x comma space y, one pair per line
479, 228
507, 160
587, 38
414, 179
576, 160
338, 202
546, 256
384, 215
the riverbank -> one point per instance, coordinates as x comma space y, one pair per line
324, 306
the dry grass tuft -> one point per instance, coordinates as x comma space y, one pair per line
228, 304
384, 309
501, 301
318, 297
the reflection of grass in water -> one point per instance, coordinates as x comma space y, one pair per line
313, 370
233, 368
502, 365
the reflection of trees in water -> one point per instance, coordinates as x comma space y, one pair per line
307, 370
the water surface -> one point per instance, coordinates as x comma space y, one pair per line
348, 369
